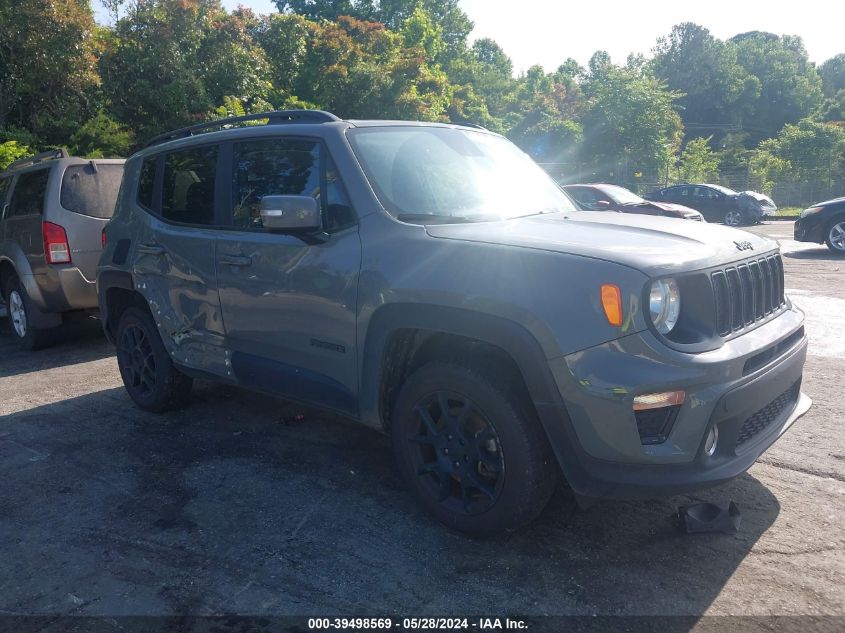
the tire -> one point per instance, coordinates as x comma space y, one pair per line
484, 468
19, 311
734, 217
835, 236
147, 371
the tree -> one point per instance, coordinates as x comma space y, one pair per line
833, 75
102, 136
47, 66
631, 123
716, 92
10, 151
172, 61
698, 162
790, 87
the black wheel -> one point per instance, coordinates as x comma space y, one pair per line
471, 450
20, 311
734, 217
835, 238
145, 366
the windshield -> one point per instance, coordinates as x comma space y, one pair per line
620, 195
724, 190
435, 173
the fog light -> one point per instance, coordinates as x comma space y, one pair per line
710, 442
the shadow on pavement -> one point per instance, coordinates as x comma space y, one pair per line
79, 340
821, 253
228, 508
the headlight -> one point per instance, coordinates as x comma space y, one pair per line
810, 211
665, 304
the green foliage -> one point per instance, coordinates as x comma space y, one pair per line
715, 90
790, 86
832, 73
102, 136
698, 162
47, 65
10, 151
174, 60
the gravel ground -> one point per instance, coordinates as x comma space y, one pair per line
228, 507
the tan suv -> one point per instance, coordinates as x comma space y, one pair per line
54, 207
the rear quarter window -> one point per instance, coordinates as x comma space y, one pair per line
28, 195
91, 189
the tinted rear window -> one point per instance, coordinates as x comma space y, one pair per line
91, 190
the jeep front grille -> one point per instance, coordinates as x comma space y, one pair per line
747, 293
761, 420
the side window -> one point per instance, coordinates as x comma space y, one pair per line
586, 197
146, 182
682, 192
338, 213
273, 167
28, 196
188, 188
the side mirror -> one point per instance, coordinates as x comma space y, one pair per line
290, 213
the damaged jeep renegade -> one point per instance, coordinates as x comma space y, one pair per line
432, 282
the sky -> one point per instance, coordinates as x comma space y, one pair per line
546, 32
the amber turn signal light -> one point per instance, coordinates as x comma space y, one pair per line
659, 400
611, 301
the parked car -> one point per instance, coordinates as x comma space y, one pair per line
54, 208
823, 223
432, 282
717, 203
603, 197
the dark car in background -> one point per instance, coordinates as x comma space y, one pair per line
718, 203
823, 223
604, 197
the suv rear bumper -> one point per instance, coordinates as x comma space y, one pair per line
604, 456
62, 289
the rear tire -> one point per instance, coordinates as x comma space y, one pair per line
19, 311
148, 373
835, 236
471, 450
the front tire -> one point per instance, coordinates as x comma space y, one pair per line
147, 371
471, 449
835, 239
734, 217
19, 311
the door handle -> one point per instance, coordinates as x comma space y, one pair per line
236, 260
150, 249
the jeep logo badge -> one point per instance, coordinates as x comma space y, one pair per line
744, 246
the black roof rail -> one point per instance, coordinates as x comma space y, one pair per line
274, 117
52, 154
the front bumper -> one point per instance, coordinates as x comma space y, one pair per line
809, 229
605, 456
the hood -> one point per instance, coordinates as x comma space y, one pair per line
761, 198
655, 245
677, 208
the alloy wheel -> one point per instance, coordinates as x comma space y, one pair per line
137, 361
837, 236
457, 453
17, 313
733, 218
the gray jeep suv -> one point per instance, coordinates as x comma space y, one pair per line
432, 282
54, 208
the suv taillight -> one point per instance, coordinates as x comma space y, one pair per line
56, 247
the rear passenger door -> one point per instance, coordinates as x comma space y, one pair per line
289, 302
173, 261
